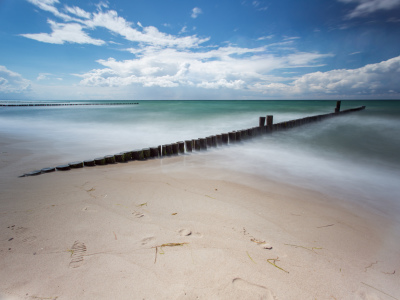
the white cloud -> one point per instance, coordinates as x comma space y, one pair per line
226, 67
267, 37
373, 79
78, 12
43, 76
61, 33
149, 35
12, 82
74, 32
366, 7
196, 12
48, 5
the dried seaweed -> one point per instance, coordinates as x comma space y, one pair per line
307, 248
143, 204
250, 257
166, 245
274, 264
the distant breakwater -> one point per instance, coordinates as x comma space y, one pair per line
265, 126
65, 104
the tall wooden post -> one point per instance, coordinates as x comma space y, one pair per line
270, 121
337, 109
262, 122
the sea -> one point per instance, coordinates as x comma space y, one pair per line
354, 156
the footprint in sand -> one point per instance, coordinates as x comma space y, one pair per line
252, 291
22, 234
78, 251
147, 240
187, 232
137, 214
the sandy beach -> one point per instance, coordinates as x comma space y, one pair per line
177, 228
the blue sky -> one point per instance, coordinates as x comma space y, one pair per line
199, 49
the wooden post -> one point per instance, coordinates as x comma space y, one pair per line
238, 136
63, 168
76, 164
209, 141
168, 149
138, 154
48, 170
197, 145
175, 148
128, 155
270, 121
232, 137
100, 161
164, 150
219, 139
154, 152
110, 159
262, 122
203, 143
337, 109
119, 157
189, 145
181, 146
213, 141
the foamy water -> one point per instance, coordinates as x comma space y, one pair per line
354, 156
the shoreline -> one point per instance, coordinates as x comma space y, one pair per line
99, 233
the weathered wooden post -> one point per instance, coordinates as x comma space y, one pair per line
181, 146
100, 161
154, 152
164, 150
87, 163
119, 157
337, 109
110, 159
232, 137
219, 139
262, 122
270, 121
214, 141
159, 150
138, 155
189, 145
127, 155
175, 148
63, 168
203, 143
238, 136
197, 145
209, 141
168, 149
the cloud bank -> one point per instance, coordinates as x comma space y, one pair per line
366, 7
12, 82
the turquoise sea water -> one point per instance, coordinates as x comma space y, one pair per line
356, 156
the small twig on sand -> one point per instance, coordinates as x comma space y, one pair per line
379, 290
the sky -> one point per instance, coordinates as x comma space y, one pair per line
199, 49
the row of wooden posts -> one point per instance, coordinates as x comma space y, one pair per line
265, 126
65, 104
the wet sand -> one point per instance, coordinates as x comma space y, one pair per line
178, 228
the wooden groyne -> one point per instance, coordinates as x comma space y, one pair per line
64, 104
265, 126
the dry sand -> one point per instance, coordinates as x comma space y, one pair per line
177, 228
